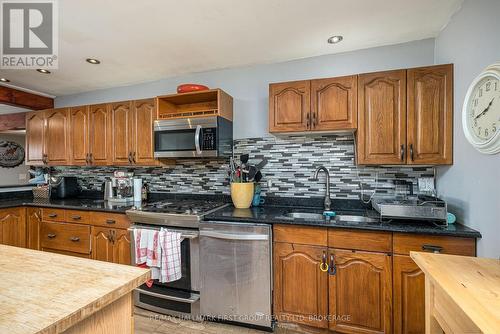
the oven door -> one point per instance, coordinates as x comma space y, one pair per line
186, 137
178, 298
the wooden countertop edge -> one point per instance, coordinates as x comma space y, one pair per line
469, 310
95, 306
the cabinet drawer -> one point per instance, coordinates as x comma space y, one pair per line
77, 216
53, 215
114, 220
360, 240
405, 243
85, 256
66, 237
305, 235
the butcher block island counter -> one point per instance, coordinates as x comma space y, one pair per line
43, 292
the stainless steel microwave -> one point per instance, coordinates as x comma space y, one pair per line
201, 137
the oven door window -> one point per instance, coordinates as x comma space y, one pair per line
175, 140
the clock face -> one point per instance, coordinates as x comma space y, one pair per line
483, 110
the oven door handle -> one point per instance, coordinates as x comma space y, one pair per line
197, 139
191, 300
184, 235
235, 236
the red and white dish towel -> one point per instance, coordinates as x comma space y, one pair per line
160, 251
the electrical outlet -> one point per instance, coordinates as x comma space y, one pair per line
426, 184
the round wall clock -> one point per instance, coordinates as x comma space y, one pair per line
481, 111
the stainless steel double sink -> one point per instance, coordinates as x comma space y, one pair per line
338, 218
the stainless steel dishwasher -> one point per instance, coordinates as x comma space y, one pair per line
235, 270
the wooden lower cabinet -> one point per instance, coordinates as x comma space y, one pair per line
360, 292
13, 227
33, 224
300, 287
111, 245
409, 292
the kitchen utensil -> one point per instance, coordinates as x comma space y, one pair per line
244, 158
261, 164
258, 176
252, 170
185, 88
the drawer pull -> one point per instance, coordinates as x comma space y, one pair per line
333, 268
110, 221
52, 215
74, 239
51, 235
432, 248
76, 217
323, 265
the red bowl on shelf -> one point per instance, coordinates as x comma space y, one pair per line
185, 88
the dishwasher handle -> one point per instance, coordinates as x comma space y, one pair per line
234, 236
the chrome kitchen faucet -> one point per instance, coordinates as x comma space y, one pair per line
328, 202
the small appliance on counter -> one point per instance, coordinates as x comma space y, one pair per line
64, 187
419, 207
120, 188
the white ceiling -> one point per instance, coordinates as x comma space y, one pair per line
6, 109
139, 41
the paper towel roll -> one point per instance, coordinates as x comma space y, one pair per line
137, 190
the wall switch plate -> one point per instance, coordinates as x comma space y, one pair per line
426, 184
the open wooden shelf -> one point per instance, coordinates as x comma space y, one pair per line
213, 102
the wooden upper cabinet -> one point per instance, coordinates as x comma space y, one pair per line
35, 136
57, 136
13, 227
334, 103
121, 133
79, 124
361, 288
430, 115
381, 136
99, 135
409, 296
144, 114
289, 106
300, 287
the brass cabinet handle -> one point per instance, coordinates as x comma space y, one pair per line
45, 158
308, 120
314, 122
52, 215
129, 157
432, 248
74, 239
112, 236
90, 158
87, 158
403, 152
333, 268
51, 235
133, 157
110, 221
76, 217
411, 152
323, 265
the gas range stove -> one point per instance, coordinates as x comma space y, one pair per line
178, 213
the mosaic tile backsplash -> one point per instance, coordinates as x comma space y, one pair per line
290, 168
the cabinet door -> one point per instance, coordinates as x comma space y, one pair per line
121, 133
33, 222
13, 227
102, 246
121, 247
99, 139
35, 136
79, 125
290, 106
300, 287
57, 138
360, 292
430, 115
381, 135
334, 103
143, 140
409, 296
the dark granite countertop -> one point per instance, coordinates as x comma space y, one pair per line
277, 215
74, 204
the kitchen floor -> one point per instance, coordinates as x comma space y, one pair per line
147, 323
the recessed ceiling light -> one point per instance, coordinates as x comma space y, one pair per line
335, 39
44, 71
4, 80
93, 61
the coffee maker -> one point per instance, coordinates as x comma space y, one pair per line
119, 188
